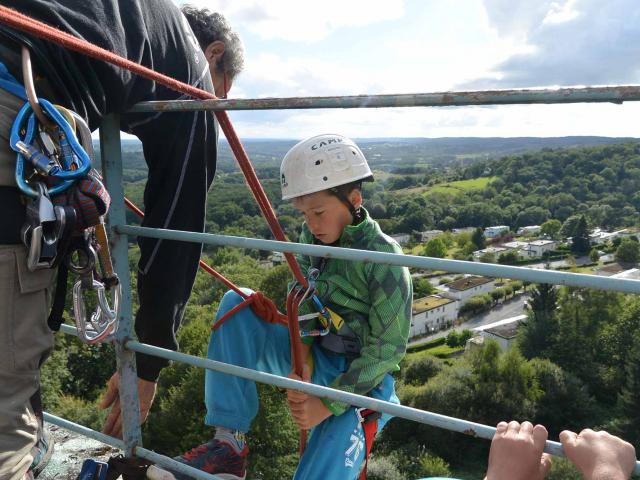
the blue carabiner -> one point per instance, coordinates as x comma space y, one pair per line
66, 176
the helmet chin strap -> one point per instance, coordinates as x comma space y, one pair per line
356, 213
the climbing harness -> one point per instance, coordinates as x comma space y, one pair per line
66, 204
368, 419
323, 315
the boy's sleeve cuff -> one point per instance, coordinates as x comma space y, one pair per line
337, 408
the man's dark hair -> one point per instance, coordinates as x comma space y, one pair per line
209, 27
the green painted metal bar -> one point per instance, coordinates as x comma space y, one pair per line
112, 170
458, 266
608, 94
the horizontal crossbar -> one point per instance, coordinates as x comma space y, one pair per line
421, 416
414, 261
608, 94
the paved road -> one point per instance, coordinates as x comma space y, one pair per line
511, 308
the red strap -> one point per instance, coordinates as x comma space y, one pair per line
370, 428
261, 305
89, 199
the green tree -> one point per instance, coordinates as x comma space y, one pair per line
569, 226
551, 228
422, 287
539, 331
628, 251
435, 248
421, 370
565, 402
594, 256
580, 344
452, 339
488, 257
478, 239
629, 398
497, 294
274, 284
580, 236
508, 258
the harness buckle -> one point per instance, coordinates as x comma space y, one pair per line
42, 230
323, 315
366, 415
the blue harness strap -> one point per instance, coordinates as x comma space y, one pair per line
9, 83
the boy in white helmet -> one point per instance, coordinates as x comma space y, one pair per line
370, 306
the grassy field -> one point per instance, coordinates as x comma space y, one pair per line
440, 351
461, 186
453, 188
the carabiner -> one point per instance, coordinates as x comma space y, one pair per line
103, 301
26, 120
100, 326
30, 89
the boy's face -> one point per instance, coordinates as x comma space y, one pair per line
325, 214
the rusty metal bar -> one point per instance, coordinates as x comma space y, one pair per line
607, 94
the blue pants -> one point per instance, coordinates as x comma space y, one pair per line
336, 446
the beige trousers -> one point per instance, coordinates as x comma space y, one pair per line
25, 342
25, 338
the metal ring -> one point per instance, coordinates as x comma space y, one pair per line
90, 255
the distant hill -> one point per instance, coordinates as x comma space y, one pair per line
392, 154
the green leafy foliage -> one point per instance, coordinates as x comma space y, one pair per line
628, 251
435, 248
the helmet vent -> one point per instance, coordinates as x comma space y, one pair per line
318, 162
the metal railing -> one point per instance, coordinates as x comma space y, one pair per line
126, 346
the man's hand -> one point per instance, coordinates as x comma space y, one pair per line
307, 410
599, 455
146, 394
516, 452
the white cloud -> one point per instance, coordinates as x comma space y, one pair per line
561, 13
586, 42
303, 21
502, 121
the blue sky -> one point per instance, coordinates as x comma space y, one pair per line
344, 47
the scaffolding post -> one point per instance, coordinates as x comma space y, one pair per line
111, 155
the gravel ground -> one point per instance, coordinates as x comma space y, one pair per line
70, 450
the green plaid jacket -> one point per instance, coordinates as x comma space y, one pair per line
374, 300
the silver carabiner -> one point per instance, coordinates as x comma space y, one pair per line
103, 302
103, 322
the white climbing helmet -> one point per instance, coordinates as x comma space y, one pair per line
321, 162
